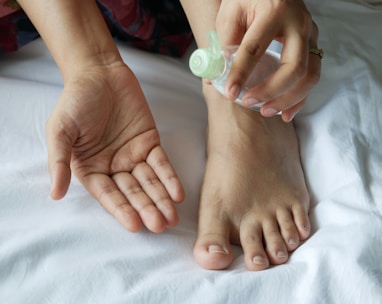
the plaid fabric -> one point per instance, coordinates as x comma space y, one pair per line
158, 26
15, 28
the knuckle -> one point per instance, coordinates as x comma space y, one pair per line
268, 96
307, 18
313, 76
132, 191
315, 30
123, 209
280, 5
253, 49
300, 69
238, 75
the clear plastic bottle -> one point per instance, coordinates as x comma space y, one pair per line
214, 63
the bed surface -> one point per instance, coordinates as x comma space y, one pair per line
73, 251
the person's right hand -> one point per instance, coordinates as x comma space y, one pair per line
253, 24
103, 130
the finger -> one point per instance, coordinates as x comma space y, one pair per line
163, 169
229, 25
288, 115
59, 155
104, 189
151, 217
293, 67
156, 193
296, 94
253, 45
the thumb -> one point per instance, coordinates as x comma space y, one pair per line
59, 156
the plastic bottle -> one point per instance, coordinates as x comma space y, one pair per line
214, 63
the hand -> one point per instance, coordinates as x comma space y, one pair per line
253, 24
103, 130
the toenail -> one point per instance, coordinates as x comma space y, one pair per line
281, 254
292, 242
259, 260
217, 249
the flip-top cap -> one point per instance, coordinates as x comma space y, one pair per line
209, 62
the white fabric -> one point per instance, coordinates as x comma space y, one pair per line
73, 251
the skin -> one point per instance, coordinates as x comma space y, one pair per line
102, 130
253, 25
254, 193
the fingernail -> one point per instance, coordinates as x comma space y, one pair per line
289, 119
259, 260
292, 117
234, 91
270, 112
250, 101
281, 254
217, 249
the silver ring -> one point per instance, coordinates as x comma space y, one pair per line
319, 52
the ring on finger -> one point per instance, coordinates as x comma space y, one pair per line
316, 51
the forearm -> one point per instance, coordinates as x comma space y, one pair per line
74, 32
201, 20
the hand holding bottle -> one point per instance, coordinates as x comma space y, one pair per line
214, 65
253, 25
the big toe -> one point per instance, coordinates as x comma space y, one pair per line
212, 249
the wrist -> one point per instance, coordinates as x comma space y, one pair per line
85, 62
74, 32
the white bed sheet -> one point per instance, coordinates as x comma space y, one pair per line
73, 251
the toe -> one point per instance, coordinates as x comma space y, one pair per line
211, 252
301, 219
212, 248
288, 229
251, 239
274, 242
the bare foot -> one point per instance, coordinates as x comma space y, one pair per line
254, 192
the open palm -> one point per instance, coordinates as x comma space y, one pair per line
102, 130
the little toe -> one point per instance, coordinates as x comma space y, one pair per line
274, 243
212, 249
251, 239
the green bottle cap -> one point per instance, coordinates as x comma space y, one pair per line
209, 62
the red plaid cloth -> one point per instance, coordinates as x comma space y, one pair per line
158, 26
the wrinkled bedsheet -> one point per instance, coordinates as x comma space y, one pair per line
73, 251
